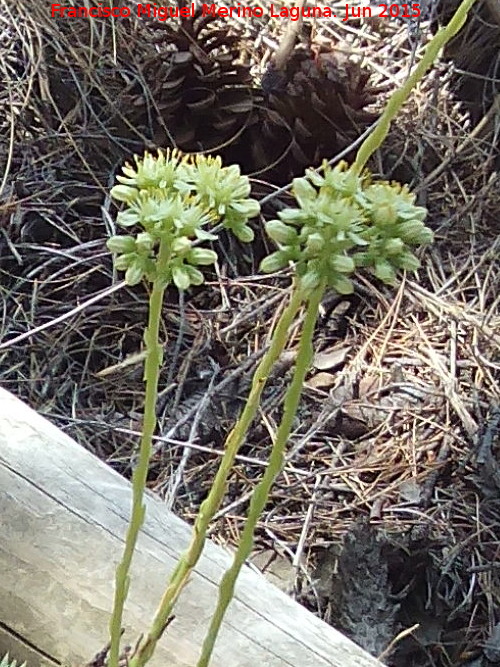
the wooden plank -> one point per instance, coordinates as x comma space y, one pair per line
63, 517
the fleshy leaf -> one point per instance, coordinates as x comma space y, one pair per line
203, 256
342, 284
196, 277
384, 271
122, 262
124, 193
134, 273
281, 233
274, 262
342, 264
121, 244
408, 261
310, 280
127, 218
244, 233
180, 276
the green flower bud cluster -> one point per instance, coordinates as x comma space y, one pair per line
397, 225
226, 192
344, 221
174, 200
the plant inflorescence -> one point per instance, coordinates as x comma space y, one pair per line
175, 200
344, 221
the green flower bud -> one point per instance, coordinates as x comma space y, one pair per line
384, 271
274, 262
408, 261
342, 264
180, 276
144, 242
121, 244
134, 273
124, 193
281, 233
127, 218
202, 256
394, 247
342, 285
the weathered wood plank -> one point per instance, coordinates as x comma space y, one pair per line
63, 517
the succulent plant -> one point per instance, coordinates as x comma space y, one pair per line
344, 221
174, 199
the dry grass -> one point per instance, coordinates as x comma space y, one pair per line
389, 431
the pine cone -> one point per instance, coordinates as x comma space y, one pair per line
312, 110
201, 90
176, 84
183, 84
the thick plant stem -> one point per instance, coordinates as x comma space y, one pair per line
212, 503
152, 365
261, 492
399, 97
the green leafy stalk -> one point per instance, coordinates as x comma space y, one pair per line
172, 198
276, 461
343, 221
152, 365
399, 97
212, 503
